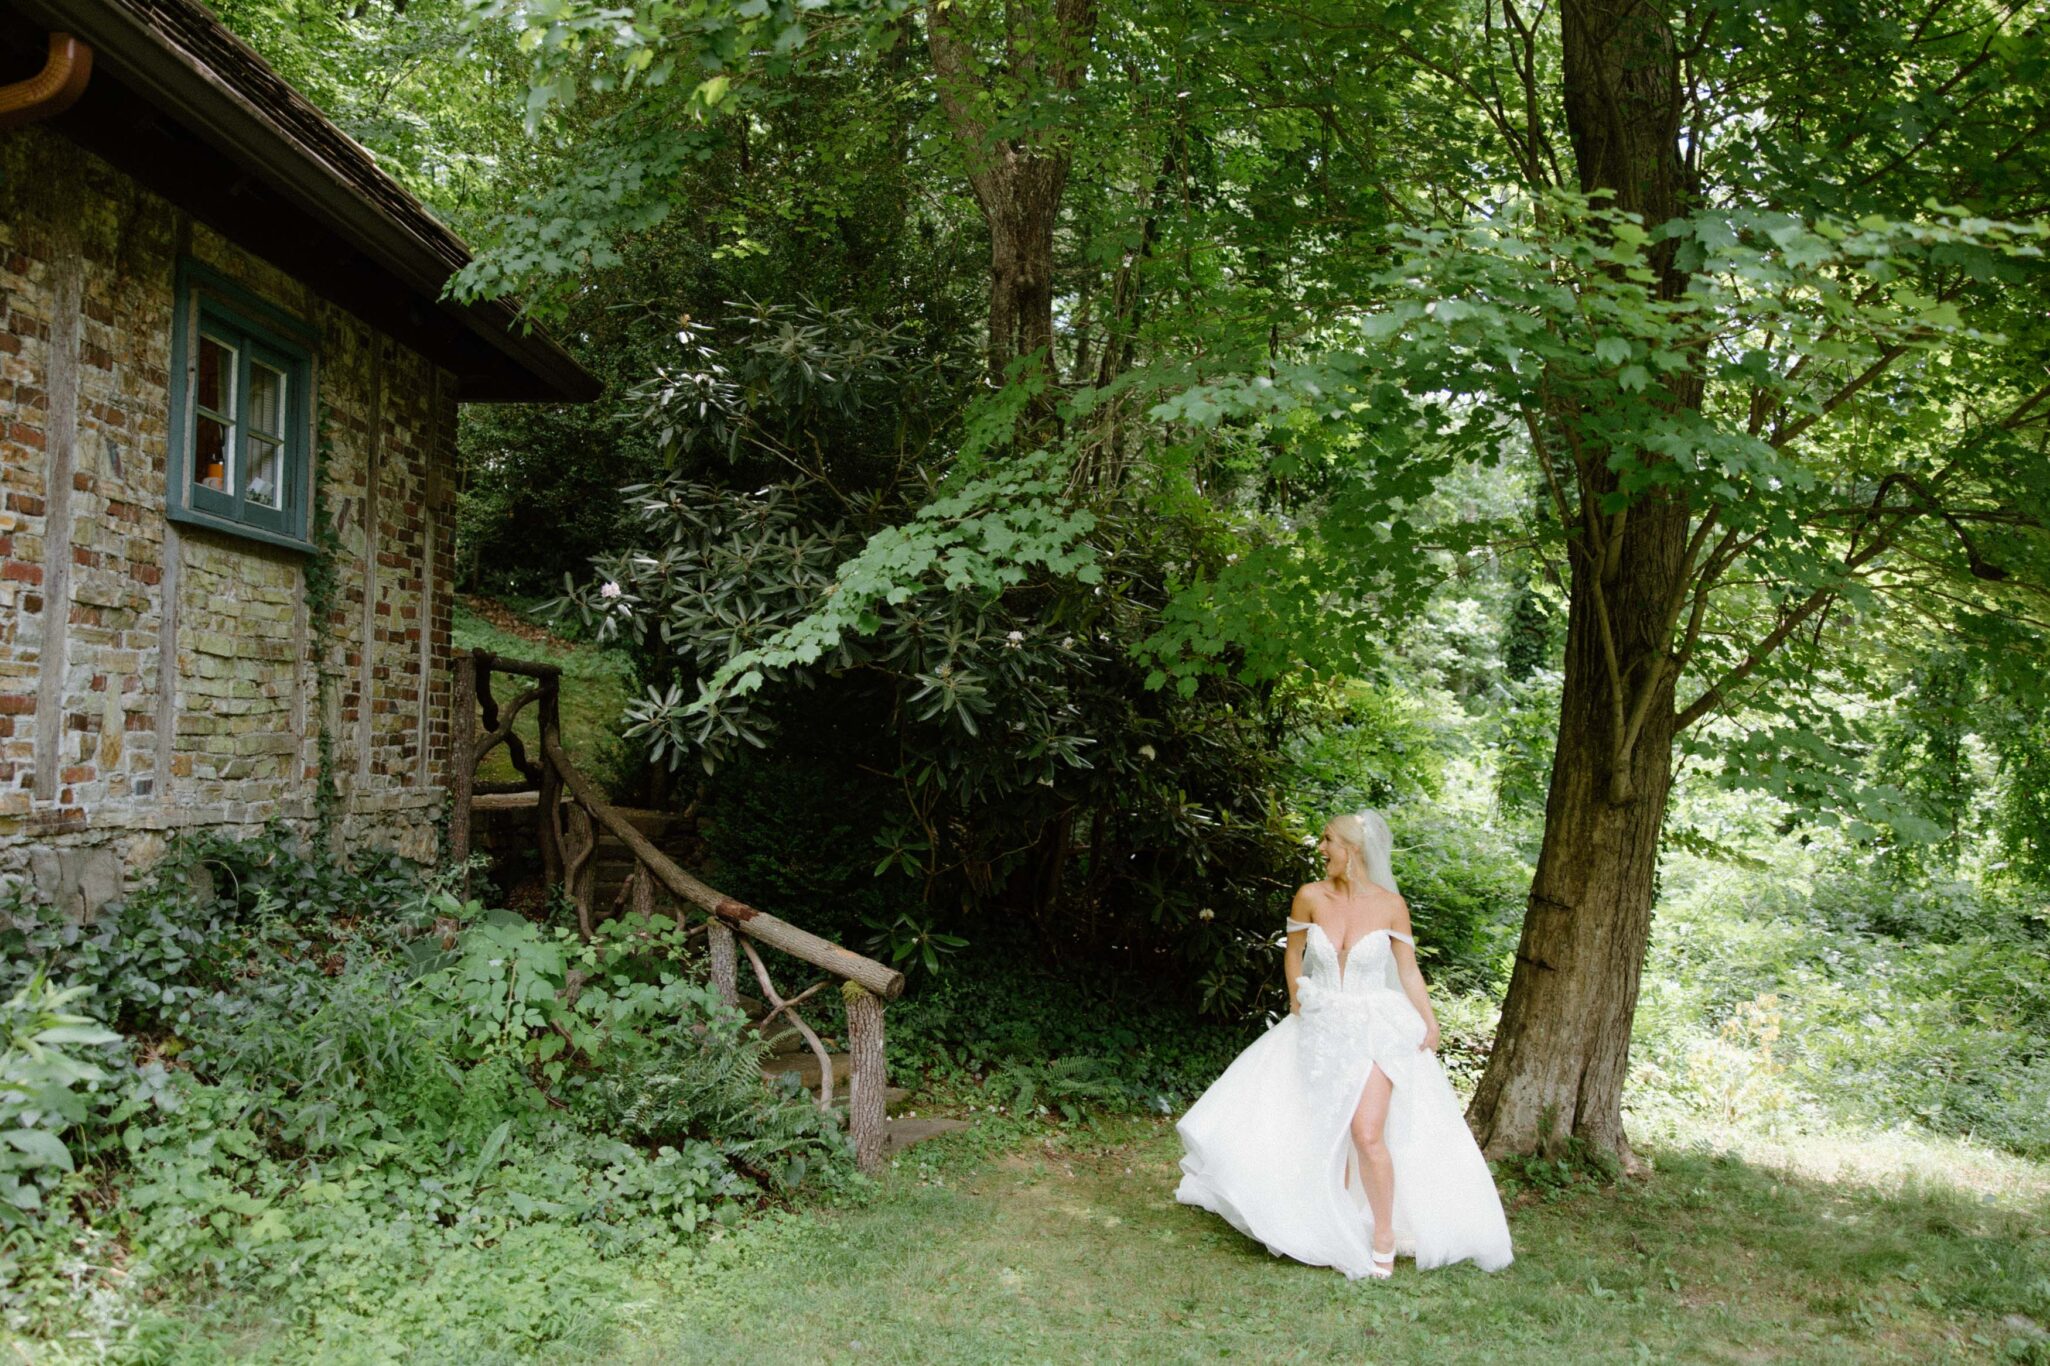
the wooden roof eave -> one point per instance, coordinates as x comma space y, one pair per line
421, 254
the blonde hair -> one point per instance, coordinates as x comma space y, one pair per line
1366, 834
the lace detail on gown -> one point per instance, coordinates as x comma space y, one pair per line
1269, 1145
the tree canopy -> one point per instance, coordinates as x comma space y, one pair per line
1746, 297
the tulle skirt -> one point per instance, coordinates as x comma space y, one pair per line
1269, 1145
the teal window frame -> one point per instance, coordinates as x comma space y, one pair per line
257, 333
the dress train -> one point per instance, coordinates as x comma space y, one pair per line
1269, 1146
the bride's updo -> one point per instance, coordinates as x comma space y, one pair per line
1366, 833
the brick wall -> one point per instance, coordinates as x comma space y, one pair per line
158, 676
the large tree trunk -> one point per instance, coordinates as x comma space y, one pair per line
1021, 209
1562, 1051
1018, 180
1563, 1046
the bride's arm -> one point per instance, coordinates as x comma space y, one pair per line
1292, 957
1413, 980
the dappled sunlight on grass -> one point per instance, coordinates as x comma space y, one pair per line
1879, 1161
1071, 1248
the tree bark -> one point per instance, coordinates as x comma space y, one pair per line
1562, 1051
1018, 180
867, 1083
1563, 1046
1022, 208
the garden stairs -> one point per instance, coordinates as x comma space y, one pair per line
608, 859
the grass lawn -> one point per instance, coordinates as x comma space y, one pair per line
1073, 1250
595, 684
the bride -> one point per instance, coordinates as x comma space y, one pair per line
1335, 1138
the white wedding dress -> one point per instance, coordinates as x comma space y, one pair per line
1269, 1145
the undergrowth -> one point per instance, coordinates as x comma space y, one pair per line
351, 1117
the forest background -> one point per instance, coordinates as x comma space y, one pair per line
1055, 455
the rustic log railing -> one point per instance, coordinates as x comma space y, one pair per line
571, 813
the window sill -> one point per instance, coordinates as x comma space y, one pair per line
228, 526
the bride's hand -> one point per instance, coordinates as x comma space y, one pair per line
1430, 1043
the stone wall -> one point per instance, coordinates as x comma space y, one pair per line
161, 677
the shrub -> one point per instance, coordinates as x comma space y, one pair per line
1775, 997
50, 1081
210, 911
359, 1128
1466, 886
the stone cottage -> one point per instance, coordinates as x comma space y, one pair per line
221, 330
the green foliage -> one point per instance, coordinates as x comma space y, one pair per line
1466, 884
1063, 1086
356, 1124
1786, 1001
735, 587
1524, 729
1571, 1168
941, 662
50, 1073
1555, 299
169, 958
411, 82
2024, 801
911, 942
1004, 1030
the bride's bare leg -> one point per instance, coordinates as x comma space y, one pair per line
1377, 1168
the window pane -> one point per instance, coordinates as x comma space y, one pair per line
216, 375
213, 430
210, 454
264, 479
266, 401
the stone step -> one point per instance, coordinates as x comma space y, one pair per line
901, 1133
805, 1065
893, 1096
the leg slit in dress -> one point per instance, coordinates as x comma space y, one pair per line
1353, 1177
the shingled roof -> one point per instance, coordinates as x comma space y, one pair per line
196, 114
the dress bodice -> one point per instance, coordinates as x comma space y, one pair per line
1369, 965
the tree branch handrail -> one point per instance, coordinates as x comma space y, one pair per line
508, 714
757, 925
569, 859
526, 668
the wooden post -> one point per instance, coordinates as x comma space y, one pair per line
725, 963
580, 867
867, 1082
549, 827
462, 764
60, 434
